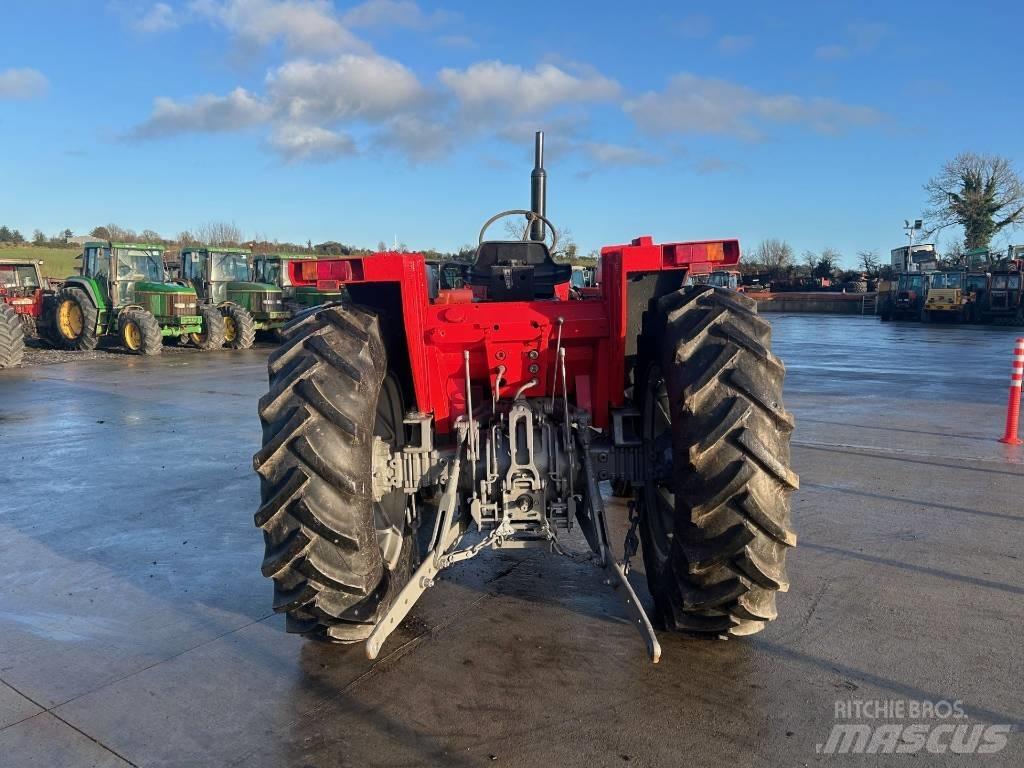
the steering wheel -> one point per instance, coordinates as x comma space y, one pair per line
531, 217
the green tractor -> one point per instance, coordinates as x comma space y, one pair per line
121, 289
272, 268
223, 278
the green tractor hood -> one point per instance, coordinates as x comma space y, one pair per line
240, 286
148, 287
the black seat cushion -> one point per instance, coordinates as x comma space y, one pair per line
517, 270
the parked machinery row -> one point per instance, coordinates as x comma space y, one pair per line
213, 297
959, 295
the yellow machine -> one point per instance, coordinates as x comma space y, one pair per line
947, 296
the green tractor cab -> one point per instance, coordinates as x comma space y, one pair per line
121, 290
272, 268
224, 278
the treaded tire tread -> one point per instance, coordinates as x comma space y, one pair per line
152, 339
212, 336
317, 512
715, 553
245, 327
88, 339
12, 337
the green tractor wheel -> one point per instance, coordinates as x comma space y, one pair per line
75, 319
239, 327
212, 335
140, 332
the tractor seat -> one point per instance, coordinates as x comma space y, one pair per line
516, 270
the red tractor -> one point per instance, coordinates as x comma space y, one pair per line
22, 292
489, 415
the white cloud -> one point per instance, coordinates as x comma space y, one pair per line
23, 83
350, 86
863, 37
735, 43
393, 13
298, 143
618, 155
603, 156
159, 18
867, 35
457, 41
419, 139
489, 86
695, 25
692, 104
303, 25
206, 114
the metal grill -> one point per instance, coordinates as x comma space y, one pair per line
169, 304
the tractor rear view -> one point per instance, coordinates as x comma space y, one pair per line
489, 415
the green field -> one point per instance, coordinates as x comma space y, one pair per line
57, 262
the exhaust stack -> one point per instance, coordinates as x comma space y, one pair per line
538, 187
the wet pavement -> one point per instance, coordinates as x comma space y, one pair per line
135, 626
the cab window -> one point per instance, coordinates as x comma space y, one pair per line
101, 264
27, 276
192, 268
977, 282
8, 276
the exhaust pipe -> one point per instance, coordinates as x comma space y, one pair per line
538, 187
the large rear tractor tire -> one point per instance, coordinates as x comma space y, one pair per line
239, 327
337, 558
212, 335
12, 337
140, 332
75, 319
715, 521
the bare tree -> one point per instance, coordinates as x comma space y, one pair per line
219, 233
150, 236
981, 193
953, 254
773, 256
869, 262
515, 227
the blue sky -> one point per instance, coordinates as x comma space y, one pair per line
816, 122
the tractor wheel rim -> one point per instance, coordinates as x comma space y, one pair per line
70, 319
132, 336
389, 513
229, 328
198, 338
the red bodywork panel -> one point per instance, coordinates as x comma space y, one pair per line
521, 335
24, 302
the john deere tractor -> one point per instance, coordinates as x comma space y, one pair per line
272, 268
223, 278
121, 290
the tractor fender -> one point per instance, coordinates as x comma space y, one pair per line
229, 303
91, 287
118, 312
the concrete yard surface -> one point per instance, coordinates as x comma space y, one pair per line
136, 628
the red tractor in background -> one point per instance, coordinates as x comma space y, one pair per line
22, 293
488, 416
